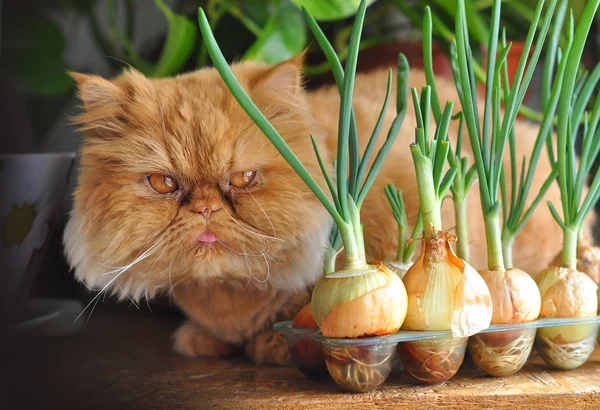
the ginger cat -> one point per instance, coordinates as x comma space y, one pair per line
180, 192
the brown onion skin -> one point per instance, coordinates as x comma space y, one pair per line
520, 300
571, 294
588, 261
305, 319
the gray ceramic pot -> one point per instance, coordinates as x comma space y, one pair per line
33, 190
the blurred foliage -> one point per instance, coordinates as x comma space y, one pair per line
33, 44
32, 55
516, 17
271, 31
283, 36
330, 10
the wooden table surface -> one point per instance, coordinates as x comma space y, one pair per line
122, 359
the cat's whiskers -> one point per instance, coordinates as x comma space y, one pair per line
272, 256
97, 297
251, 276
268, 269
91, 312
263, 211
140, 258
128, 297
146, 297
171, 280
150, 269
250, 271
266, 237
118, 272
89, 287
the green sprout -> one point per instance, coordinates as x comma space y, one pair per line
573, 98
465, 175
489, 140
405, 250
347, 194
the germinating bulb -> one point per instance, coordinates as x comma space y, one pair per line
588, 261
515, 296
445, 292
567, 292
356, 304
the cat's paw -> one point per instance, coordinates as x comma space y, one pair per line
192, 340
269, 347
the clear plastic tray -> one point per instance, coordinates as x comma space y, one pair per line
363, 364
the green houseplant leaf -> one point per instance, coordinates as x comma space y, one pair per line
283, 36
329, 10
181, 38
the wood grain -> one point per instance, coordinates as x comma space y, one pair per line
123, 360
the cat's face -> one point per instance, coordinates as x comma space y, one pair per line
177, 183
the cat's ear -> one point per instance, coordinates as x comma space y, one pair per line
284, 79
102, 104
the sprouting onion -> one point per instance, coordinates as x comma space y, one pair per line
588, 256
464, 180
565, 291
465, 175
406, 248
515, 297
360, 299
515, 216
444, 292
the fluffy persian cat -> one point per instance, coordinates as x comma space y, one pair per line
180, 192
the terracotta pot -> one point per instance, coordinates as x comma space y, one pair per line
512, 60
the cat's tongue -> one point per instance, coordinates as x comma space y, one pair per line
207, 237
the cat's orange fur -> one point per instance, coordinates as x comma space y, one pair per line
272, 236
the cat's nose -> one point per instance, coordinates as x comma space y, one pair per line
206, 209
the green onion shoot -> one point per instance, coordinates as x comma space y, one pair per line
515, 297
360, 299
565, 291
406, 245
444, 292
465, 175
588, 256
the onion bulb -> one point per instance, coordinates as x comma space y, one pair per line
516, 299
566, 293
515, 296
444, 292
305, 319
372, 302
588, 261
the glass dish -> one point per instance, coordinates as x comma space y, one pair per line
364, 364
305, 351
502, 353
433, 360
360, 368
566, 347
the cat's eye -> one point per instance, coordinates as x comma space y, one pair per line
163, 184
243, 179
